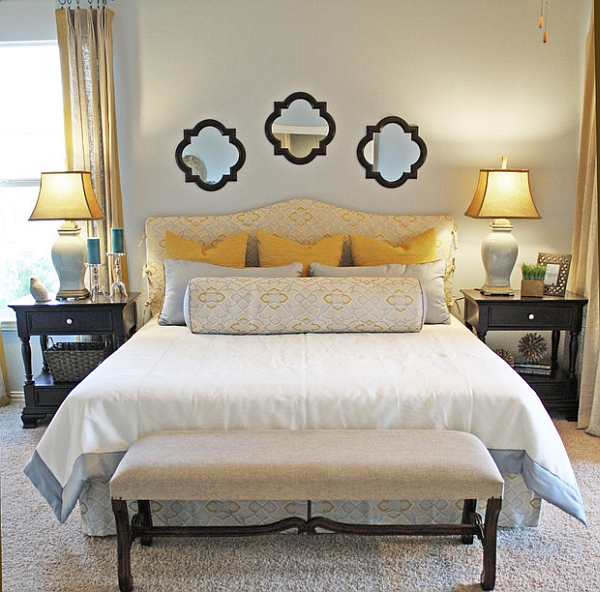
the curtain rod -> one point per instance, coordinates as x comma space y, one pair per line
80, 3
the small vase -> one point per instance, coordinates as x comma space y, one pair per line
532, 288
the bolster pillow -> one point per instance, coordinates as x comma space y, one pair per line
262, 306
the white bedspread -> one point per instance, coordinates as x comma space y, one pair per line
168, 378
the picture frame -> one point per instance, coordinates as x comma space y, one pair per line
558, 266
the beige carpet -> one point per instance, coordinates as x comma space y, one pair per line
40, 554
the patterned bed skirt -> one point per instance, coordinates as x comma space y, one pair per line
521, 507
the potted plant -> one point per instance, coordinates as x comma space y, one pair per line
532, 284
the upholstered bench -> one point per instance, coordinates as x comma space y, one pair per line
307, 465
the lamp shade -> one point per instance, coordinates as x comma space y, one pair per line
66, 196
502, 193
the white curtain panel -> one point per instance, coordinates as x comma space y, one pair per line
584, 274
4, 389
85, 43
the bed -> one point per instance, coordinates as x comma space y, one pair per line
172, 375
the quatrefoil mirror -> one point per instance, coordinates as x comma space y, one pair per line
300, 128
392, 152
210, 155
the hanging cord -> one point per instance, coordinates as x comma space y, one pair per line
543, 20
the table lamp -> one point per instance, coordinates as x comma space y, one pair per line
501, 194
68, 196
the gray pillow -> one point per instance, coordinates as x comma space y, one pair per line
431, 275
178, 273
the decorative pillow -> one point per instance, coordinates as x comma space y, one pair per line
274, 250
431, 275
179, 272
417, 249
263, 306
230, 251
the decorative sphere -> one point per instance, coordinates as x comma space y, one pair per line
533, 347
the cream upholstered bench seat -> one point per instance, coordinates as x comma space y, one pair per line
307, 464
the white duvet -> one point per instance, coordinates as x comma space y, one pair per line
165, 377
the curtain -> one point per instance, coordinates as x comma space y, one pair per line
584, 273
4, 388
86, 56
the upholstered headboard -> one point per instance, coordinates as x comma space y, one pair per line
303, 220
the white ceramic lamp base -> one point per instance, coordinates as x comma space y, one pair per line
69, 254
499, 252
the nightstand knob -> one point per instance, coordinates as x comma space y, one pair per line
531, 316
69, 321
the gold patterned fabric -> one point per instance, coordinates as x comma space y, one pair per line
303, 220
263, 306
521, 508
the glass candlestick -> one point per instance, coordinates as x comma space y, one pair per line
95, 287
118, 287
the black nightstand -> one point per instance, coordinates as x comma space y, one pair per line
559, 390
115, 320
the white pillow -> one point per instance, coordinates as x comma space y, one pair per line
262, 306
431, 276
178, 272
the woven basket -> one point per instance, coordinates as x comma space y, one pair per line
73, 361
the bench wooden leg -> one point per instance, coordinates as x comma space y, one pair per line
490, 529
468, 517
144, 517
141, 526
124, 540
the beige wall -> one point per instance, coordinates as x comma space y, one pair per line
474, 75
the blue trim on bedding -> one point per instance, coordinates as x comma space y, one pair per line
541, 481
45, 482
86, 467
89, 466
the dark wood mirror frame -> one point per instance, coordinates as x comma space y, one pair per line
321, 106
413, 130
189, 134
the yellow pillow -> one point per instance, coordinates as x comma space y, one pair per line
415, 250
230, 252
274, 250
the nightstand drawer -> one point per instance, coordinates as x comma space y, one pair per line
551, 317
51, 322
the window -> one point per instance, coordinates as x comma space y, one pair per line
31, 141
